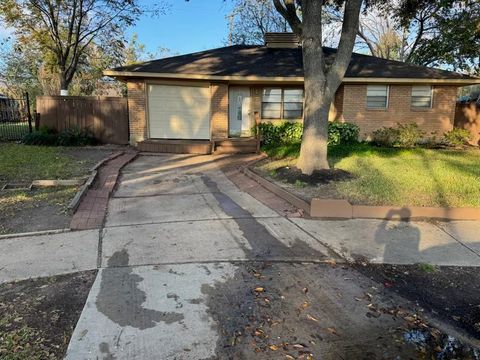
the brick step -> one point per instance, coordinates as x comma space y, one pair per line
237, 142
235, 149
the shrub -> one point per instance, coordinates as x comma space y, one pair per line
386, 136
342, 133
75, 137
290, 132
40, 138
286, 132
69, 137
409, 135
457, 137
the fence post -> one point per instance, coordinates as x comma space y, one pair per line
28, 113
36, 116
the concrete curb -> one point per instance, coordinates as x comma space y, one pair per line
111, 157
72, 207
82, 191
34, 233
343, 209
277, 190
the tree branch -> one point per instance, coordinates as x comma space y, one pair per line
289, 12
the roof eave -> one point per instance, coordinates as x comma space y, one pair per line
290, 79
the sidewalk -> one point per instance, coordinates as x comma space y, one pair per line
455, 243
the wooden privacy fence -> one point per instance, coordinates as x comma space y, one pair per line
467, 116
105, 117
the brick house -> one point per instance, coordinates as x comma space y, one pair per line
214, 97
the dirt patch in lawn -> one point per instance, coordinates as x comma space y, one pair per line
91, 155
35, 210
37, 317
452, 293
293, 175
321, 185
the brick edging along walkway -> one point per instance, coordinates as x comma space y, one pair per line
93, 207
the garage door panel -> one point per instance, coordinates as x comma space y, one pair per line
179, 112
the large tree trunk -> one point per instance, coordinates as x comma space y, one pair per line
313, 151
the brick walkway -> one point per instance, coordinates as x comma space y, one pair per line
91, 211
250, 186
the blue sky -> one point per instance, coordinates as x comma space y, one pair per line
186, 27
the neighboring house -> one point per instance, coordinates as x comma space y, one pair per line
216, 94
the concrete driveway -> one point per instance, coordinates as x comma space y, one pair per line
194, 268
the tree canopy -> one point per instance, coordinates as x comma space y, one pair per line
69, 32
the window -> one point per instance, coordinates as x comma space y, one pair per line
272, 103
292, 103
280, 103
422, 97
377, 96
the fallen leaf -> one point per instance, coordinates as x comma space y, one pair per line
259, 289
273, 347
333, 331
289, 357
305, 305
305, 290
310, 317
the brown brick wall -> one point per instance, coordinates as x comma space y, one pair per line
137, 108
438, 119
219, 110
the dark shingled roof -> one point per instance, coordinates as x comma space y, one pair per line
251, 60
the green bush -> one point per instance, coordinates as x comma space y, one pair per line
409, 135
75, 137
40, 138
283, 133
68, 137
342, 133
290, 132
457, 137
386, 137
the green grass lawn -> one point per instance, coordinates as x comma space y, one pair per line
393, 176
20, 163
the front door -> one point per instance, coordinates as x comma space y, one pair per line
239, 122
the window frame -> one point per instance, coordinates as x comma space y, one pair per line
282, 103
387, 102
421, 107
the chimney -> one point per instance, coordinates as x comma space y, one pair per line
281, 40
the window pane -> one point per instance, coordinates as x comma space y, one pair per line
422, 96
421, 90
293, 95
377, 102
293, 106
377, 96
421, 102
271, 110
292, 114
377, 90
272, 95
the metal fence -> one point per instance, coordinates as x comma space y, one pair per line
15, 118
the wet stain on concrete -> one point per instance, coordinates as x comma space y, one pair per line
105, 350
120, 298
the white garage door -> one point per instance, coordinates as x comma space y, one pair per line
179, 112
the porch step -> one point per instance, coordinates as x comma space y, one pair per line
236, 145
176, 146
